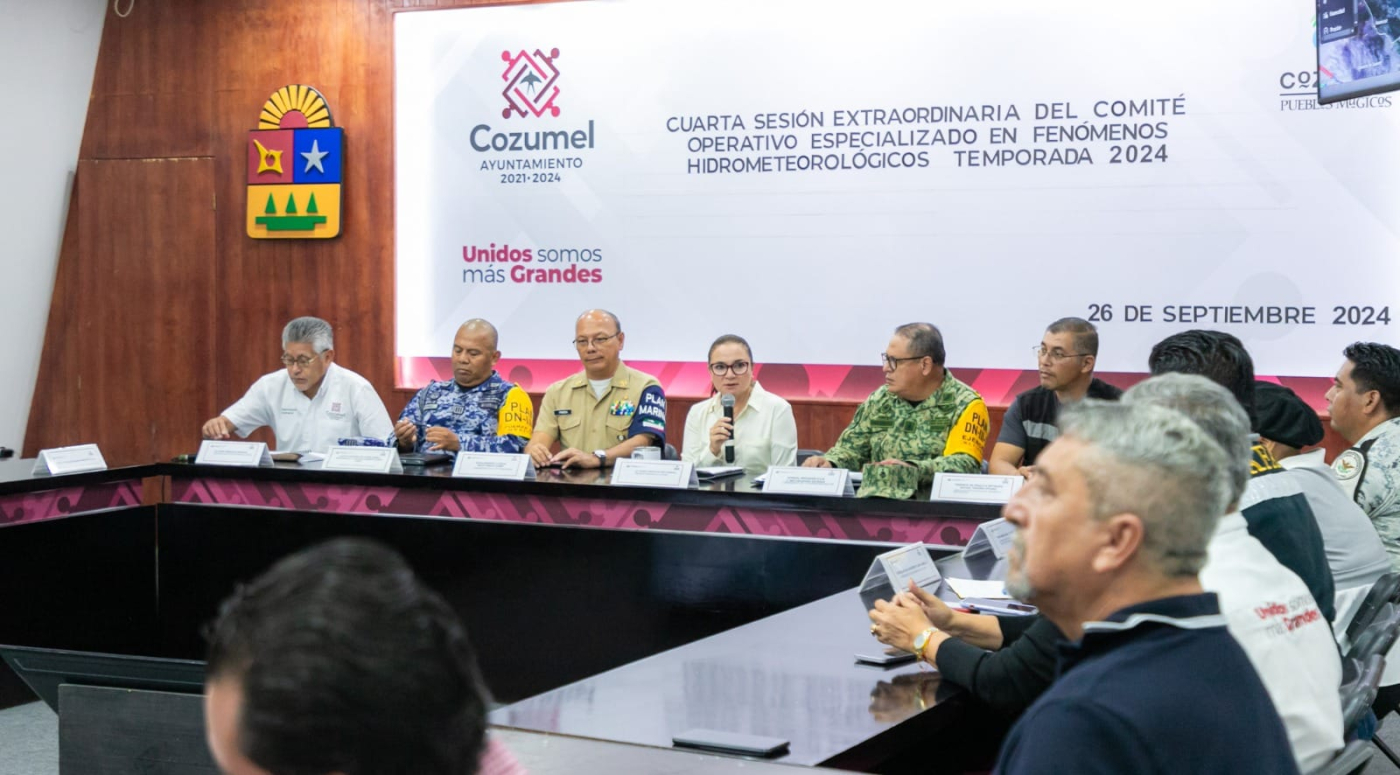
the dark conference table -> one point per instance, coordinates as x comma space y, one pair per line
135, 560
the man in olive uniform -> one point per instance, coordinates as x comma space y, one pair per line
1364, 403
921, 422
604, 412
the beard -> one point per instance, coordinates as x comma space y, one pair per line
1017, 583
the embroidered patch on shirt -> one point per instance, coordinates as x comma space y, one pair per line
623, 408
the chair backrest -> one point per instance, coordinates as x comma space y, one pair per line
1351, 759
1379, 636
1383, 591
1359, 691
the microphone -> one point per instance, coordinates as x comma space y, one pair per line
727, 401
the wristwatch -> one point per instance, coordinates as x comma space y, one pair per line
921, 642
602, 456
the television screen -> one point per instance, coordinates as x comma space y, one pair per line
1358, 48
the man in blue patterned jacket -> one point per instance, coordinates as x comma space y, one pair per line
476, 410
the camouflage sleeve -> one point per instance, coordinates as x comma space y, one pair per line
413, 412
962, 454
852, 449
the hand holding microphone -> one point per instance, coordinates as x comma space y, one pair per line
727, 401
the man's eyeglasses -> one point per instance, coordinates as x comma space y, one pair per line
597, 341
891, 363
302, 361
738, 367
1056, 354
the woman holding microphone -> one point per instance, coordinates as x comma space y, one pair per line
762, 433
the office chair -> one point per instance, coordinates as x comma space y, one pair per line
1379, 635
1385, 590
1361, 681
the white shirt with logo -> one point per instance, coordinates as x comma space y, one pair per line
345, 406
1273, 617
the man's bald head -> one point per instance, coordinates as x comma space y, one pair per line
482, 327
601, 316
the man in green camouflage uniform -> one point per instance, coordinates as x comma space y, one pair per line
924, 420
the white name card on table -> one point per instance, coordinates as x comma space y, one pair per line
796, 480
892, 571
367, 460
676, 474
493, 465
975, 488
234, 453
994, 537
70, 460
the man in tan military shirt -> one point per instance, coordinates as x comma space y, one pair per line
604, 412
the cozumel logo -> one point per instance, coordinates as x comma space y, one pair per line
294, 168
530, 80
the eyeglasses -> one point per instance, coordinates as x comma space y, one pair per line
303, 361
891, 363
738, 367
1054, 355
597, 341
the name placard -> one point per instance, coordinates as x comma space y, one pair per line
70, 460
493, 465
994, 536
234, 453
370, 460
892, 571
796, 480
675, 474
975, 488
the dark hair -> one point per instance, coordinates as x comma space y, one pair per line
1216, 355
731, 339
924, 340
349, 664
1376, 366
1086, 337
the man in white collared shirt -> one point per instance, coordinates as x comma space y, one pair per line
312, 403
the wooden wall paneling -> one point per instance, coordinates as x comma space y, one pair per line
151, 94
53, 410
342, 50
136, 322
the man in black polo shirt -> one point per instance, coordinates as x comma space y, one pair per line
1112, 531
1065, 356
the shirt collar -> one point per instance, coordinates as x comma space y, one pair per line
620, 378
1187, 612
1389, 426
485, 383
753, 394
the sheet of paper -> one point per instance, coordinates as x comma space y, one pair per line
974, 488
382, 460
493, 465
795, 480
233, 453
992, 589
630, 472
70, 460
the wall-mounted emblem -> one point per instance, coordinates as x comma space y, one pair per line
294, 168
